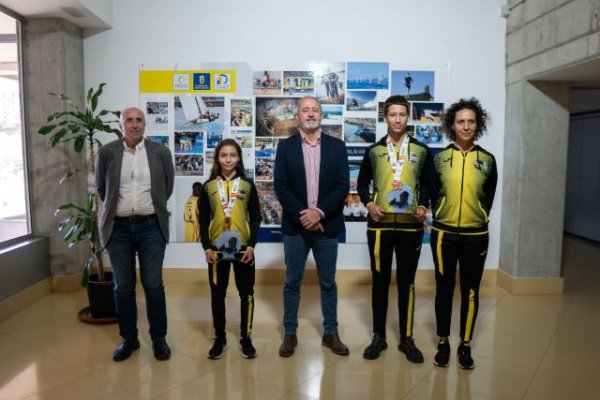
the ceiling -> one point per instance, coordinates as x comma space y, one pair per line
86, 14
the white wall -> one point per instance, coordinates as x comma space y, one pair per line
469, 35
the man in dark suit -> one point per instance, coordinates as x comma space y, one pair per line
134, 179
311, 182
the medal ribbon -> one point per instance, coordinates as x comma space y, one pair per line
397, 163
227, 202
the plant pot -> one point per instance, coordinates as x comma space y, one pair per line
101, 297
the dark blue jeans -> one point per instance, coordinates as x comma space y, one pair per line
296, 248
144, 239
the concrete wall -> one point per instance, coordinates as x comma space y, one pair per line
53, 62
543, 37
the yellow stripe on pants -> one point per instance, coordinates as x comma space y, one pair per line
214, 274
250, 311
439, 253
376, 251
411, 302
470, 312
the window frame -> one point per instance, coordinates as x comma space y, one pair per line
20, 20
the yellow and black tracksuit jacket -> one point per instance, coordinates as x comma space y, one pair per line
417, 172
465, 188
245, 217
398, 232
464, 194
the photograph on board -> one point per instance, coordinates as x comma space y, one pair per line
241, 113
368, 75
275, 116
361, 100
298, 83
359, 130
266, 83
414, 85
329, 82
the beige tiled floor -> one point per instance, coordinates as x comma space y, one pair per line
525, 347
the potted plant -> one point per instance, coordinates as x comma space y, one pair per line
80, 128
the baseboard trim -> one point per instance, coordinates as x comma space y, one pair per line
23, 299
66, 283
525, 285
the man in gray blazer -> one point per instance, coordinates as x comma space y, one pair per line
134, 179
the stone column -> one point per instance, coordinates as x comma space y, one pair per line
53, 62
535, 161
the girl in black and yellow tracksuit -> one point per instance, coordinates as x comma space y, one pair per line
466, 183
229, 202
397, 232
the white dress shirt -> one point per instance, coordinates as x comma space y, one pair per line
135, 197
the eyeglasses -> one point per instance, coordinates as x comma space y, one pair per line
130, 121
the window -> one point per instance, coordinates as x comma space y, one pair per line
14, 205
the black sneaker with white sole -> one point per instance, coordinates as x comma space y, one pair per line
246, 347
217, 349
442, 357
465, 361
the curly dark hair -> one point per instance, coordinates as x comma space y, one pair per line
482, 117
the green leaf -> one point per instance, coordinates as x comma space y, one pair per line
56, 138
69, 235
44, 130
96, 95
79, 144
89, 206
64, 223
64, 207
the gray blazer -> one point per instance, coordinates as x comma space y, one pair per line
108, 175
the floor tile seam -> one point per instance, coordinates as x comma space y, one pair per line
305, 381
522, 364
53, 385
450, 385
528, 336
229, 368
153, 396
553, 337
289, 392
33, 345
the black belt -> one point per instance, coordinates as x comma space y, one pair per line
135, 217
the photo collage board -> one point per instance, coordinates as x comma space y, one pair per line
190, 110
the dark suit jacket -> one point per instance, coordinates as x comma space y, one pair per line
108, 179
290, 183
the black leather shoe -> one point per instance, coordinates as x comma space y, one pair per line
161, 349
125, 348
335, 344
288, 345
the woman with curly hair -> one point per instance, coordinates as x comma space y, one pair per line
466, 179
